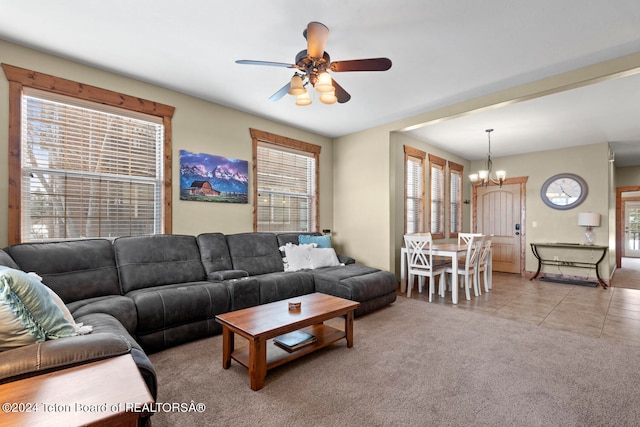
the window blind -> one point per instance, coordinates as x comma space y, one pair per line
455, 198
286, 184
414, 196
88, 172
436, 165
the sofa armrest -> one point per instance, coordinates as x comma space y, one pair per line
53, 355
219, 276
243, 293
346, 260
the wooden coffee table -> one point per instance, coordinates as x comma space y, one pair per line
261, 323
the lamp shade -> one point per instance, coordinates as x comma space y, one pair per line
324, 82
296, 87
589, 219
329, 97
303, 99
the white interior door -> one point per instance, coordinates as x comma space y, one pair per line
498, 213
632, 229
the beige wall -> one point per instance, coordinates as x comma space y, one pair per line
628, 176
198, 126
589, 162
361, 196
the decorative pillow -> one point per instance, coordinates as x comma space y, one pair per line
297, 257
323, 257
31, 303
320, 241
13, 333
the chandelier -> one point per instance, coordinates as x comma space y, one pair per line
485, 175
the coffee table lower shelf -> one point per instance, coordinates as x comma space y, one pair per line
276, 356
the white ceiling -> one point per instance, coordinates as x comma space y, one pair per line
443, 52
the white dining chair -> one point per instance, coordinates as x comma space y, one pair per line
420, 263
484, 265
468, 269
463, 238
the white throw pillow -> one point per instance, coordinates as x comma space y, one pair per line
323, 257
297, 257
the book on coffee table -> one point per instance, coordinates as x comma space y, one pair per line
294, 340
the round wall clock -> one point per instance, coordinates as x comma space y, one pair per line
564, 191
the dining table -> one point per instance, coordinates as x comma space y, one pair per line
450, 250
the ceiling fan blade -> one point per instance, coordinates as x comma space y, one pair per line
282, 92
342, 95
372, 64
316, 35
268, 63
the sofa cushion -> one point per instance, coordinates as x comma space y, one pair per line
161, 308
39, 358
106, 324
355, 282
74, 270
7, 261
283, 285
215, 257
118, 306
255, 253
163, 259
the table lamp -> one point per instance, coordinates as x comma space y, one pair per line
589, 220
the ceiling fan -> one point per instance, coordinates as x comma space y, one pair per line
312, 66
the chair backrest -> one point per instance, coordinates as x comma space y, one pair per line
486, 250
420, 258
474, 249
464, 238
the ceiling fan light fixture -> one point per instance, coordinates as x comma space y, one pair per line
296, 87
303, 99
329, 97
324, 84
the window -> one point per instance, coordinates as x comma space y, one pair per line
285, 183
414, 179
89, 163
436, 196
455, 198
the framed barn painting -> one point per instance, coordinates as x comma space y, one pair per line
209, 178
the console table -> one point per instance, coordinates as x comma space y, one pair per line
558, 261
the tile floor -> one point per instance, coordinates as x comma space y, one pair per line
612, 313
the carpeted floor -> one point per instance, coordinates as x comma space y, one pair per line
416, 364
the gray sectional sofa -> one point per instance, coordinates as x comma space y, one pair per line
147, 293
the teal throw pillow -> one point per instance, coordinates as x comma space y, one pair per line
30, 301
321, 241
